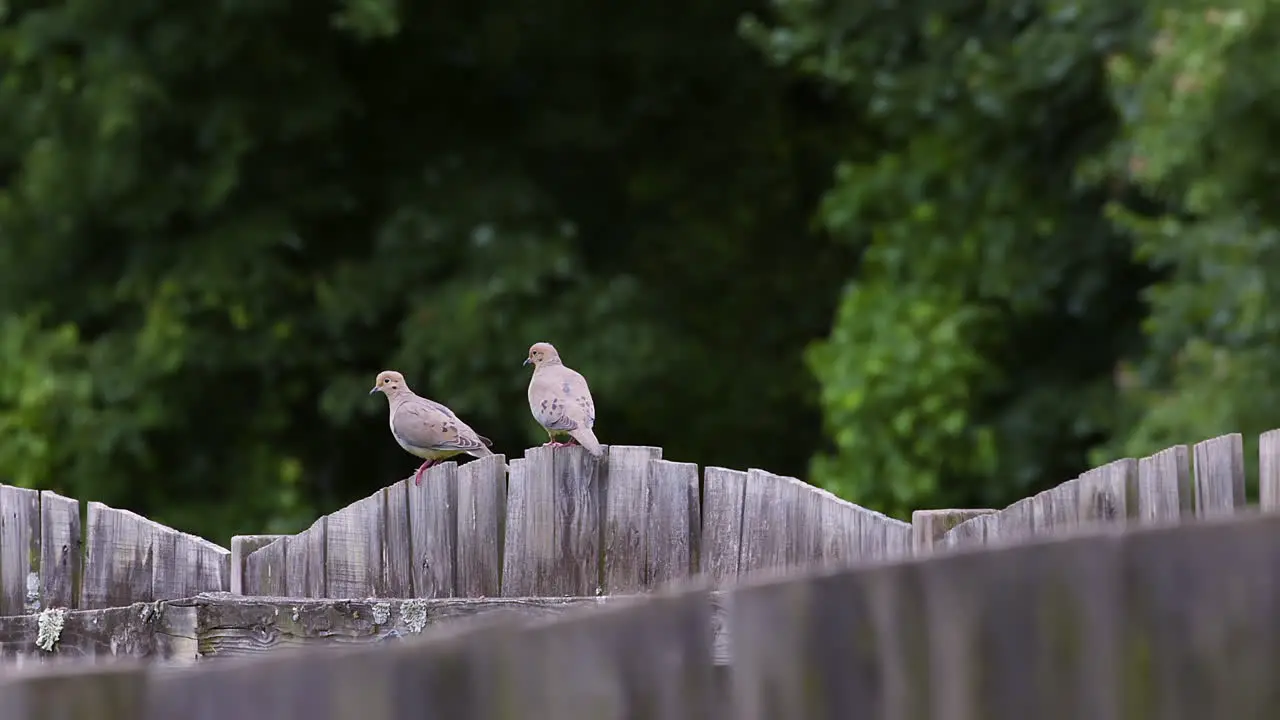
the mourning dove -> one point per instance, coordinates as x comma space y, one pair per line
560, 399
426, 428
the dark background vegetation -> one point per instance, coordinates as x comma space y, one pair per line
923, 254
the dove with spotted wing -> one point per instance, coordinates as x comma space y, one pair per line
425, 428
560, 399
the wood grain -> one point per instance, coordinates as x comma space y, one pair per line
397, 565
433, 526
1165, 490
1219, 475
625, 496
669, 544
723, 495
304, 561
119, 556
19, 550
1108, 495
766, 523
841, 531
61, 549
261, 562
929, 526
1269, 470
562, 516
517, 575
482, 491
353, 549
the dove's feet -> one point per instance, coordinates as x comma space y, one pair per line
417, 477
553, 443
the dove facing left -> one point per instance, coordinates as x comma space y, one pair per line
425, 428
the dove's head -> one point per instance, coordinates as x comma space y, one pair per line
389, 383
542, 354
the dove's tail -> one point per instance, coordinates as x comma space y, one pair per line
587, 439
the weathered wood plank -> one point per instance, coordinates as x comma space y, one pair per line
264, 570
570, 563
652, 660
645, 660
302, 688
883, 538
1201, 605
669, 537
304, 561
627, 483
693, 514
482, 494
804, 519
897, 539
973, 532
100, 692
781, 523
214, 573
841, 531
142, 630
766, 531
243, 546
1017, 522
353, 549
19, 550
397, 565
61, 547
1220, 475
240, 626
841, 645
433, 525
771, 670
1108, 494
1165, 491
518, 576
1057, 509
118, 558
1269, 470
724, 493
929, 526
1045, 619
175, 565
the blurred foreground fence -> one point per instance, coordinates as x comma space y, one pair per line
1143, 623
47, 561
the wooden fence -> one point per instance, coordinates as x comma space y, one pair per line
120, 558
1205, 480
1149, 623
560, 526
565, 525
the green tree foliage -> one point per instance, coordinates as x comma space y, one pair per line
1199, 102
982, 247
220, 221
973, 356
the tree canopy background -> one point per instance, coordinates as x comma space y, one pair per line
922, 254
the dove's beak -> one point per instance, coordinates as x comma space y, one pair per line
526, 361
374, 390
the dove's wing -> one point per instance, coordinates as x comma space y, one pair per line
446, 411
560, 399
430, 426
